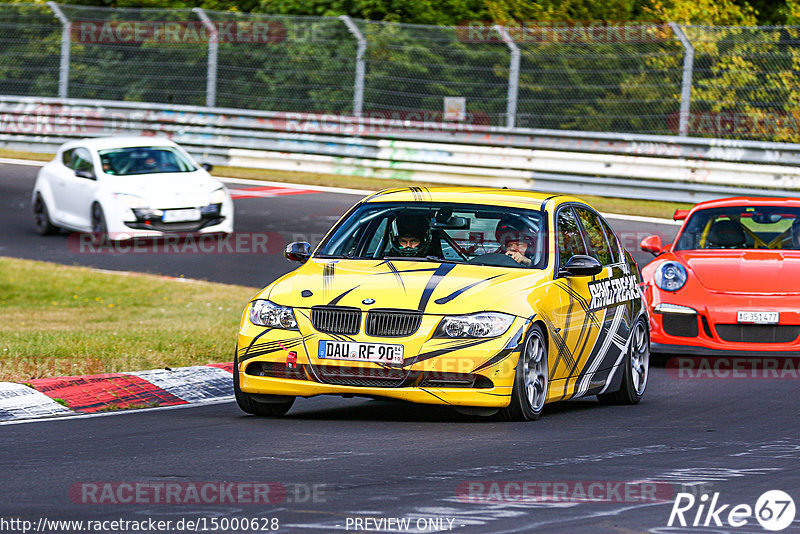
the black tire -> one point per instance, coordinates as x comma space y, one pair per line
263, 406
99, 227
636, 368
41, 217
531, 379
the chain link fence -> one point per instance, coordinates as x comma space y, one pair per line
725, 82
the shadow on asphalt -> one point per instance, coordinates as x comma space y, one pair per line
380, 410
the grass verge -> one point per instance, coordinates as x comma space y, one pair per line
61, 321
649, 208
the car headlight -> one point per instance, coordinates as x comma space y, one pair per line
266, 313
217, 196
670, 276
483, 324
131, 201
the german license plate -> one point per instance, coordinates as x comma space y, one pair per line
362, 352
757, 317
192, 214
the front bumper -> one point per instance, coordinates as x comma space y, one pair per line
464, 372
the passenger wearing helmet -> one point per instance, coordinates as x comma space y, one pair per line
516, 240
411, 236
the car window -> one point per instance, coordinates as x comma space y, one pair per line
570, 241
81, 160
379, 237
595, 236
612, 241
144, 160
742, 227
461, 233
66, 157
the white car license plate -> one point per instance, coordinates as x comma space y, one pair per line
757, 317
192, 214
362, 352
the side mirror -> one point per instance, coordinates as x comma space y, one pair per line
89, 175
652, 244
207, 166
580, 265
297, 251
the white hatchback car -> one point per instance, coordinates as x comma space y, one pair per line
125, 187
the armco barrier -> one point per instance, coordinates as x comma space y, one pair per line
619, 165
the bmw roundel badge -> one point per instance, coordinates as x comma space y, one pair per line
368, 301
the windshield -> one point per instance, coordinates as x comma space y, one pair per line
442, 232
753, 227
144, 160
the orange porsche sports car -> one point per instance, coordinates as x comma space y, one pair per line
730, 282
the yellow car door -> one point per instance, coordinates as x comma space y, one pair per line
582, 315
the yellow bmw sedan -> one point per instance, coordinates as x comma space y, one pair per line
486, 300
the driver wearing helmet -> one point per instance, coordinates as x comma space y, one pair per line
411, 236
516, 240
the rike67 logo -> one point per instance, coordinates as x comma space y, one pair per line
774, 510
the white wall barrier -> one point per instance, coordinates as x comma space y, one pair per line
620, 165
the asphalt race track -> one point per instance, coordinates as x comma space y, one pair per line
353, 464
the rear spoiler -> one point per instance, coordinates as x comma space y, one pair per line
680, 215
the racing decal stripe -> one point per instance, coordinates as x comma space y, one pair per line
616, 367
434, 280
336, 300
328, 271
558, 340
434, 395
421, 357
494, 360
244, 350
566, 355
396, 274
396, 270
273, 346
458, 292
583, 385
583, 341
511, 346
590, 313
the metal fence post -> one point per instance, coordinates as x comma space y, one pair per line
213, 47
66, 31
513, 76
358, 90
686, 83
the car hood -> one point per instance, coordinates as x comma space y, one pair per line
164, 190
435, 288
745, 271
